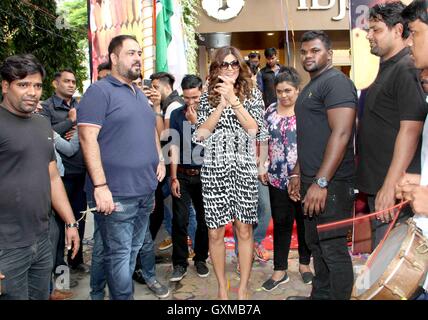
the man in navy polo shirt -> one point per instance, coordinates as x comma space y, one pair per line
117, 130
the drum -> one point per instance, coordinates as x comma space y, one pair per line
398, 269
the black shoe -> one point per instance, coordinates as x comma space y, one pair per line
138, 276
298, 298
307, 277
178, 273
202, 269
271, 284
81, 268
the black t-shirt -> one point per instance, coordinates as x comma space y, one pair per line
331, 89
26, 149
394, 96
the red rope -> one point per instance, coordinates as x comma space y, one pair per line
324, 226
391, 225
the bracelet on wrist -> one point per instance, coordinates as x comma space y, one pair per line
100, 185
293, 176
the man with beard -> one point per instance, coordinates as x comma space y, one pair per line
117, 130
325, 113
394, 111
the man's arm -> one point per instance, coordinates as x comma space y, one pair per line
61, 205
404, 151
88, 135
175, 159
341, 121
161, 170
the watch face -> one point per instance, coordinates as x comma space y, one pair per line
223, 10
322, 182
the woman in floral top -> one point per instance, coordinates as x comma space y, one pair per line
282, 151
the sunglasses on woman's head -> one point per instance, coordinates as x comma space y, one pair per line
234, 64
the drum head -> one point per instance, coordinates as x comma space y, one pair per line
386, 254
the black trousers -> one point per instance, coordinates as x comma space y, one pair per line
284, 211
191, 191
156, 218
334, 275
74, 186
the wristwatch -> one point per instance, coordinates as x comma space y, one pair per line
321, 182
72, 225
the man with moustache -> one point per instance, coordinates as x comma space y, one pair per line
325, 113
415, 187
117, 130
394, 111
29, 186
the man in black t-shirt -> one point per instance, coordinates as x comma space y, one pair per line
29, 184
394, 112
325, 113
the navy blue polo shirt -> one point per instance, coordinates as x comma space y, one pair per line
127, 136
191, 154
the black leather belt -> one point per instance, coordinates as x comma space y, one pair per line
187, 171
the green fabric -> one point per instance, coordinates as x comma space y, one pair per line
163, 35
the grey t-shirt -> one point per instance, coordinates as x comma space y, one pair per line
26, 149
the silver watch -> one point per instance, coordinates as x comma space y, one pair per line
321, 182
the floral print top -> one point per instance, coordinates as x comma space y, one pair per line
282, 146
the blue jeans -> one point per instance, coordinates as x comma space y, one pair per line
123, 233
27, 271
264, 213
98, 278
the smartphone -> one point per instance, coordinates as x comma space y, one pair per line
147, 83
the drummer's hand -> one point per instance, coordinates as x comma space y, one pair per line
418, 197
385, 198
314, 201
406, 179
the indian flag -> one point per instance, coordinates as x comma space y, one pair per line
170, 45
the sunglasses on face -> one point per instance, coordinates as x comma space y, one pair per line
234, 64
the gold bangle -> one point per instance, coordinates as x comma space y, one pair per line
236, 106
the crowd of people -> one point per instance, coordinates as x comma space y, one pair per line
248, 144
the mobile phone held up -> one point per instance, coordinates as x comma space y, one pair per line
147, 83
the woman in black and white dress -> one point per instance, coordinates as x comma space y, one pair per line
230, 119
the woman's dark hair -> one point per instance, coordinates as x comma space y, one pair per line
243, 84
289, 75
17, 67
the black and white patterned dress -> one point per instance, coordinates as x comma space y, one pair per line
229, 171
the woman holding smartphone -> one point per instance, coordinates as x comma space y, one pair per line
230, 119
